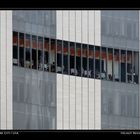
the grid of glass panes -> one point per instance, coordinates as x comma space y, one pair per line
41, 53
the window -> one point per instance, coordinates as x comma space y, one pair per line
110, 64
91, 61
116, 65
21, 49
72, 58
53, 55
15, 48
65, 57
28, 51
103, 63
123, 66
136, 67
97, 62
75, 58
40, 53
84, 60
129, 67
59, 56
78, 59
46, 54
34, 52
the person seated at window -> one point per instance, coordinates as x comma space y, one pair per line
21, 63
109, 76
97, 74
53, 67
46, 67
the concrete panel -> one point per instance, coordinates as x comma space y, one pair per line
98, 28
85, 26
59, 24
72, 102
85, 100
78, 26
65, 25
97, 104
91, 27
91, 104
59, 102
66, 94
78, 103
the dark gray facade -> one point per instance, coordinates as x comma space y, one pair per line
120, 101
34, 99
34, 91
36, 22
120, 29
120, 105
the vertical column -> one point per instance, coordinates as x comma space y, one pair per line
91, 104
97, 83
97, 104
78, 79
6, 70
98, 28
59, 76
72, 78
59, 102
65, 77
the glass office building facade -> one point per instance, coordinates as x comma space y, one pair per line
75, 69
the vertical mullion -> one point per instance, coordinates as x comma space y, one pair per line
31, 45
75, 46
120, 65
43, 52
107, 64
100, 59
62, 44
94, 62
48, 54
24, 59
132, 66
55, 56
113, 78
18, 49
37, 52
68, 43
88, 45
126, 66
